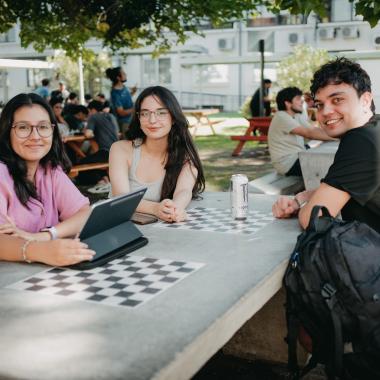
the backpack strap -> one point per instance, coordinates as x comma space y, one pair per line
317, 224
293, 325
329, 294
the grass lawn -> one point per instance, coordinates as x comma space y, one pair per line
218, 164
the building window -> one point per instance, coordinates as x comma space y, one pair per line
212, 74
35, 76
9, 36
157, 71
164, 71
256, 36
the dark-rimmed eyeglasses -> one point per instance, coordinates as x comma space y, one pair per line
23, 130
160, 114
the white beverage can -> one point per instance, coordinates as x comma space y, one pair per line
239, 196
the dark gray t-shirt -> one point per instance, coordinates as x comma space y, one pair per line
105, 128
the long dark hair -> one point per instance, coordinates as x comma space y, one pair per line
181, 148
17, 168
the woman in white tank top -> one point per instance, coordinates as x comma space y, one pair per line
158, 154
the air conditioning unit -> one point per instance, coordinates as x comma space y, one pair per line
225, 43
326, 33
350, 32
295, 38
376, 41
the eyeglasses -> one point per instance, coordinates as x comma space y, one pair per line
160, 114
24, 130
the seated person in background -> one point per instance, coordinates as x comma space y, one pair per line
159, 154
71, 101
38, 201
287, 131
106, 104
104, 128
309, 106
345, 110
60, 92
57, 105
76, 119
87, 99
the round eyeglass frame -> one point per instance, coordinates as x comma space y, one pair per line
31, 131
158, 117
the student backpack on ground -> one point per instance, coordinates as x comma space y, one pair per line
333, 290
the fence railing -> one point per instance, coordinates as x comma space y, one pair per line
227, 103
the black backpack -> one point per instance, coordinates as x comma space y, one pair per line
332, 287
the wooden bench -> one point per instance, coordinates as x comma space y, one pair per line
84, 167
277, 184
257, 131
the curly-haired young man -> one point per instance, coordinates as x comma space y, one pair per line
345, 110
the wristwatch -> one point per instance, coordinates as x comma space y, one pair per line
52, 231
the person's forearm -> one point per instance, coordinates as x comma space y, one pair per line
148, 207
317, 133
71, 226
124, 112
304, 196
182, 198
304, 212
11, 248
88, 133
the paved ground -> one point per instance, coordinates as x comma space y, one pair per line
225, 367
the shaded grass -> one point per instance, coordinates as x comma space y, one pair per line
218, 164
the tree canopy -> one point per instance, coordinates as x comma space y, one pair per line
297, 69
69, 24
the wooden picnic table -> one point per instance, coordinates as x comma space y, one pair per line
75, 142
202, 118
257, 131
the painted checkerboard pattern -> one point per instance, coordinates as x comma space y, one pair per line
129, 281
220, 220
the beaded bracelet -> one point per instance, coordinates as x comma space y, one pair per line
23, 251
300, 204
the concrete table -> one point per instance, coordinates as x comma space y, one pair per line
169, 337
316, 162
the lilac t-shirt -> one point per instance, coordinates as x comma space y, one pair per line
60, 199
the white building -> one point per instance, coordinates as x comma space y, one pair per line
222, 68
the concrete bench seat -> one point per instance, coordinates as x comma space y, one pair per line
276, 184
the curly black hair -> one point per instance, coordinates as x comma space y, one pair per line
181, 148
342, 70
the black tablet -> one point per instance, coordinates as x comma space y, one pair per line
109, 230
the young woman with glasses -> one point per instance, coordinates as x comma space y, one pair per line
160, 155
39, 204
